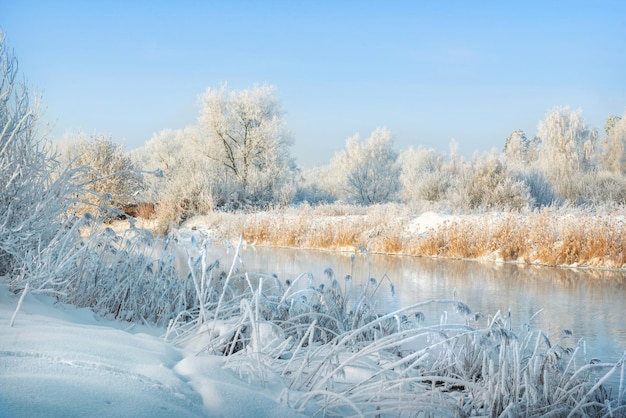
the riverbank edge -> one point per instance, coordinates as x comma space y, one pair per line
572, 238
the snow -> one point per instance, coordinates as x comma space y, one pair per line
58, 360
429, 221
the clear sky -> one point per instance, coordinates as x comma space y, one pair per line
430, 71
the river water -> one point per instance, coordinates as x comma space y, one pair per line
590, 304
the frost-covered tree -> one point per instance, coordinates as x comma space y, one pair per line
613, 152
36, 226
516, 147
608, 184
534, 149
611, 121
521, 154
21, 160
567, 150
488, 183
423, 176
113, 177
243, 132
189, 185
369, 171
175, 153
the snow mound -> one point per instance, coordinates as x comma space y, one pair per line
60, 361
428, 221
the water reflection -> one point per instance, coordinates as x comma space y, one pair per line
591, 304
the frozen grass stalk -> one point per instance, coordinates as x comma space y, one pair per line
19, 305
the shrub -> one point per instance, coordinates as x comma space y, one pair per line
606, 188
487, 183
33, 207
188, 186
368, 171
423, 176
112, 178
316, 186
539, 188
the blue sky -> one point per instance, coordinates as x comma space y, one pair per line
430, 71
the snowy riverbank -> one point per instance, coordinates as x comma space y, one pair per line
565, 237
61, 361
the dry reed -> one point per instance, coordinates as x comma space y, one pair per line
553, 236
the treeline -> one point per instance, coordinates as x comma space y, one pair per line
238, 156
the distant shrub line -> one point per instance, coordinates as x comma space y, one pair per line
566, 162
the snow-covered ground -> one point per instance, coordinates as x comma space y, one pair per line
60, 361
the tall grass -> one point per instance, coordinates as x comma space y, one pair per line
322, 339
550, 237
583, 237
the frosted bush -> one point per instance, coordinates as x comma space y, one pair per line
539, 188
567, 150
317, 185
368, 171
423, 176
606, 188
487, 183
33, 208
112, 178
190, 184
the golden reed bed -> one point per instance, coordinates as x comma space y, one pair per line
551, 236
